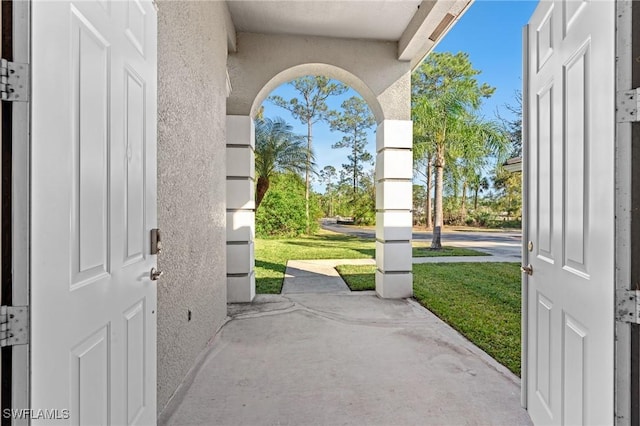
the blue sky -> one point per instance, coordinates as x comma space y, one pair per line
490, 31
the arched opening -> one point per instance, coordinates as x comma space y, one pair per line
313, 211
326, 70
391, 184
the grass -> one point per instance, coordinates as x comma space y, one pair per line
272, 254
358, 277
480, 300
422, 249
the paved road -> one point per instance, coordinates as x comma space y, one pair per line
506, 244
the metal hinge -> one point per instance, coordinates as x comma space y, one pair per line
14, 325
628, 106
14, 81
628, 306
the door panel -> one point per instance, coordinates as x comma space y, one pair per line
544, 183
576, 169
89, 403
90, 174
135, 182
543, 355
570, 163
93, 206
135, 361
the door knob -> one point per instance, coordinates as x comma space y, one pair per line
155, 274
527, 269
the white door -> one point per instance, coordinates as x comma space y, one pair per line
93, 305
570, 176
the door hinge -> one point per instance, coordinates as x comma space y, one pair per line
14, 81
628, 106
14, 325
628, 306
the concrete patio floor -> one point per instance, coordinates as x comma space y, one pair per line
343, 359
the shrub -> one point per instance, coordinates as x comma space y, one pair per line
282, 211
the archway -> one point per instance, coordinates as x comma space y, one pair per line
331, 71
393, 176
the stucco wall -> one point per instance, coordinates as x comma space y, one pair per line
263, 62
192, 51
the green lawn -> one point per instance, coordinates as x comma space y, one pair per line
480, 300
358, 277
423, 249
272, 254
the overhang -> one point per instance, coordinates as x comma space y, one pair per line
513, 165
415, 26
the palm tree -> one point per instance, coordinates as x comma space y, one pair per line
477, 141
445, 91
423, 152
278, 149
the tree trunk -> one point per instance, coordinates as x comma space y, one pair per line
436, 243
475, 197
463, 205
331, 205
355, 164
429, 206
261, 189
306, 176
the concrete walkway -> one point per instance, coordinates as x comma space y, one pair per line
317, 276
314, 357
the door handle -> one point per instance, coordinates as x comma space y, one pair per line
527, 269
155, 274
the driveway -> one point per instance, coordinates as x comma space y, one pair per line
504, 244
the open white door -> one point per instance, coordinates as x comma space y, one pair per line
570, 176
93, 338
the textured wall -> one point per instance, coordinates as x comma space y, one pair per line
263, 62
192, 49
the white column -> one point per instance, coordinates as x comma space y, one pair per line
394, 194
241, 280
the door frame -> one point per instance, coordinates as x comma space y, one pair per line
16, 35
524, 287
21, 196
627, 230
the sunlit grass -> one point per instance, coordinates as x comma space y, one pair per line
272, 254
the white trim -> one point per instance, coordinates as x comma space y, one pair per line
525, 225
